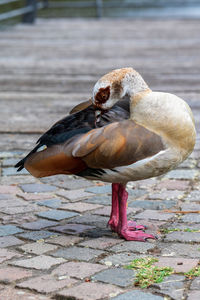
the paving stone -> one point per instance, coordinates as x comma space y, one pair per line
6, 255
133, 246
34, 197
194, 295
12, 203
193, 196
37, 188
136, 193
102, 200
183, 237
154, 215
179, 264
46, 284
38, 248
119, 276
9, 162
74, 184
77, 253
41, 262
74, 195
190, 207
12, 171
91, 291
78, 270
20, 209
152, 205
9, 230
7, 154
64, 241
80, 206
6, 197
191, 218
106, 210
180, 185
56, 215
99, 189
9, 274
195, 284
72, 228
182, 174
146, 183
8, 241
10, 293
8, 189
52, 203
89, 219
120, 259
100, 243
39, 224
167, 195
138, 295
172, 286
177, 249
36, 235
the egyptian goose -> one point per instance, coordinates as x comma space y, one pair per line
126, 132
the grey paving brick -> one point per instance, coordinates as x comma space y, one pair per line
77, 253
42, 262
138, 295
20, 209
177, 249
154, 215
117, 276
72, 228
90, 291
46, 284
8, 241
120, 259
78, 270
182, 174
74, 195
38, 248
57, 215
99, 189
101, 199
9, 230
89, 219
133, 247
191, 218
64, 240
71, 184
193, 196
179, 264
6, 255
37, 188
39, 224
152, 205
183, 237
100, 243
193, 295
11, 274
9, 171
36, 235
52, 203
195, 284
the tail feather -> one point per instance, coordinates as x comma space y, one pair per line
20, 164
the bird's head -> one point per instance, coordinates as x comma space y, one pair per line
115, 85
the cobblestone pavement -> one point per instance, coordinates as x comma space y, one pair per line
54, 240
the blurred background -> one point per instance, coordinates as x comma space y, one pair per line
52, 53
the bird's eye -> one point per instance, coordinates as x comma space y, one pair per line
103, 95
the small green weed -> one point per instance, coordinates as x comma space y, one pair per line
148, 274
195, 272
168, 230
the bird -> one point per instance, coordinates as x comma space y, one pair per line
124, 132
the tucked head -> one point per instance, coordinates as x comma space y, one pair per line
115, 85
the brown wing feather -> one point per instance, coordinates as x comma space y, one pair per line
118, 144
53, 161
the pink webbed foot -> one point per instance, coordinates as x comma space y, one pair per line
136, 235
133, 226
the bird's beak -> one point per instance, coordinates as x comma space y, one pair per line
97, 115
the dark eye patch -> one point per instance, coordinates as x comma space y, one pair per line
103, 95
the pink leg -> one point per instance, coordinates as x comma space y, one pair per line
122, 228
114, 217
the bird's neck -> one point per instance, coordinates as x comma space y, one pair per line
167, 115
